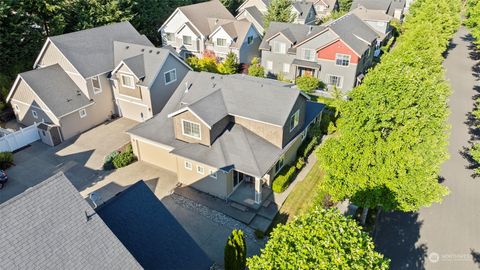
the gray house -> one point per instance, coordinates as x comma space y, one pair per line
394, 8
377, 20
337, 53
50, 226
219, 133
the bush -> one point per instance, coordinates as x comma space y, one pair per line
307, 147
108, 161
300, 163
6, 159
307, 84
235, 251
123, 159
256, 69
283, 179
230, 65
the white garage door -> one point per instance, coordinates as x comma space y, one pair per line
156, 155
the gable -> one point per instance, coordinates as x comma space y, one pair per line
319, 41
173, 24
221, 33
329, 52
254, 3
51, 55
185, 30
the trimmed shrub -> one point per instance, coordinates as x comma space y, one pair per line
308, 84
6, 159
283, 179
235, 251
108, 161
307, 146
300, 163
123, 159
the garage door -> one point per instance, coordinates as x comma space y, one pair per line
132, 110
157, 156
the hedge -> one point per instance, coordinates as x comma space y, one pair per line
108, 161
6, 159
283, 179
125, 158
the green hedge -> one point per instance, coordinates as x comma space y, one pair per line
283, 179
307, 146
6, 159
125, 158
108, 161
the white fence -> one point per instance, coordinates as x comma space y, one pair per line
19, 138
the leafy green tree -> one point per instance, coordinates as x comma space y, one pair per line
232, 5
48, 13
320, 239
475, 153
278, 11
205, 63
393, 134
255, 69
308, 84
85, 14
344, 5
235, 251
229, 65
473, 19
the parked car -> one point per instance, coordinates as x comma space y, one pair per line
3, 178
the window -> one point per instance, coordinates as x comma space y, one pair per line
250, 40
342, 60
187, 40
308, 54
269, 65
279, 47
221, 42
200, 170
96, 85
191, 129
286, 68
170, 76
82, 113
169, 36
294, 119
188, 165
335, 80
213, 174
127, 81
279, 164
35, 114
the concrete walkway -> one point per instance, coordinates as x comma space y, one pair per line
444, 236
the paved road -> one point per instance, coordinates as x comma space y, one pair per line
446, 235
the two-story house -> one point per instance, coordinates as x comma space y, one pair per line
394, 8
209, 27
218, 131
303, 12
70, 87
377, 20
324, 8
337, 53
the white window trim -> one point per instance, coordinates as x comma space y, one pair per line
99, 90
190, 136
34, 114
269, 65
341, 54
253, 38
82, 113
312, 54
218, 45
200, 170
165, 76
284, 45
213, 174
285, 70
341, 80
166, 36
188, 165
127, 86
183, 40
281, 167
293, 115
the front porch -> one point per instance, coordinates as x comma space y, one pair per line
245, 194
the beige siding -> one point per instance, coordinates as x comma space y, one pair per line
300, 105
271, 133
53, 56
187, 115
155, 155
134, 110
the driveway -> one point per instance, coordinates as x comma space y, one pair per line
444, 236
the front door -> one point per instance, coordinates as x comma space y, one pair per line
302, 71
237, 178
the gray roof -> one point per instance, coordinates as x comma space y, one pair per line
387, 6
256, 14
236, 29
294, 32
50, 226
305, 63
150, 232
143, 61
371, 15
91, 51
237, 147
302, 8
56, 89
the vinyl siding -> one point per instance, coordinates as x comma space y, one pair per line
154, 155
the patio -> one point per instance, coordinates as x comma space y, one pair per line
244, 195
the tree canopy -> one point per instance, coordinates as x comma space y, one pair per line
278, 11
473, 19
320, 239
392, 135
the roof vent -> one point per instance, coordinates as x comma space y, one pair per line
142, 50
69, 99
158, 52
79, 93
216, 21
214, 84
150, 51
213, 77
127, 47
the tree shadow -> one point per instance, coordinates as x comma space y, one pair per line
450, 47
475, 256
474, 54
472, 163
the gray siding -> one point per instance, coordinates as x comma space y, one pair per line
348, 73
278, 60
249, 51
288, 134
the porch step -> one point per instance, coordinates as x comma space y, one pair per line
239, 206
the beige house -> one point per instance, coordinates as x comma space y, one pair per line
220, 133
70, 88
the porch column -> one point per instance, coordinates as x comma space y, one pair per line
258, 190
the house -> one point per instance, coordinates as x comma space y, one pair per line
218, 131
324, 8
150, 232
337, 53
254, 10
209, 28
70, 88
50, 226
377, 20
394, 8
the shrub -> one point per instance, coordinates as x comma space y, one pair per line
230, 65
283, 179
123, 159
108, 161
235, 251
207, 63
307, 84
6, 159
307, 147
300, 163
256, 69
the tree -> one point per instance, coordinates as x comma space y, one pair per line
278, 11
473, 19
320, 239
392, 136
344, 5
206, 63
255, 69
308, 84
229, 65
85, 14
235, 251
232, 5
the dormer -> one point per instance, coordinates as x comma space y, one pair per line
128, 74
280, 43
221, 38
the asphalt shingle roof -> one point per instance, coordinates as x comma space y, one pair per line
296, 33
50, 226
91, 51
56, 89
387, 6
151, 234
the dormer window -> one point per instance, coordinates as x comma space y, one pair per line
279, 47
308, 54
222, 42
187, 40
191, 129
294, 120
127, 81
